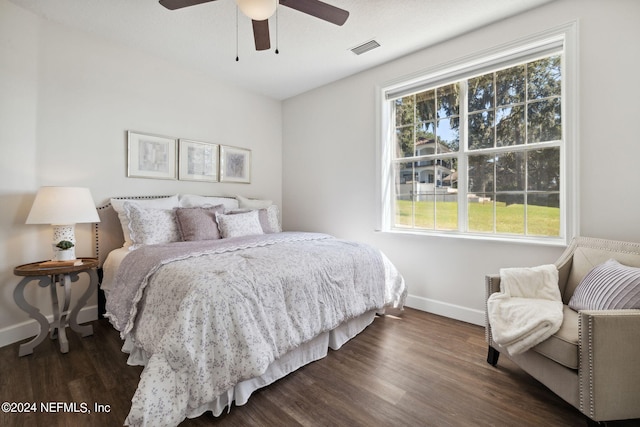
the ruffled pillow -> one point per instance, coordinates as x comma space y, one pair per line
239, 224
159, 203
150, 226
269, 218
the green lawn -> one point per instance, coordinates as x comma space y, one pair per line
541, 220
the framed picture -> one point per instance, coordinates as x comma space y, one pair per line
235, 164
151, 156
197, 161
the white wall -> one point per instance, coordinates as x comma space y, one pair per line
67, 99
329, 151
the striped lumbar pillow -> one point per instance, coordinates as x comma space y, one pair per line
608, 286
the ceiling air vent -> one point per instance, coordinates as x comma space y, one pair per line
365, 47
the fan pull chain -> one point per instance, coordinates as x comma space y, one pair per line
237, 56
277, 39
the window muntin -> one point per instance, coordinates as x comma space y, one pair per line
504, 128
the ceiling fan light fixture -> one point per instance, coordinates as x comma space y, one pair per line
258, 10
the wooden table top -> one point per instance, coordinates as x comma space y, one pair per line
35, 269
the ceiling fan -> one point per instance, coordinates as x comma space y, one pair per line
260, 10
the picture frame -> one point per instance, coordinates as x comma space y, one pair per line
198, 161
151, 156
235, 164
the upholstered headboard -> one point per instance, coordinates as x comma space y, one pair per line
108, 232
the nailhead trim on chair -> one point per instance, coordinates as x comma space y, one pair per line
582, 371
592, 243
587, 374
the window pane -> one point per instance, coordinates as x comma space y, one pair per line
424, 190
481, 174
425, 131
543, 214
448, 135
510, 126
481, 130
426, 105
404, 142
404, 186
404, 110
448, 101
544, 77
510, 168
424, 211
424, 172
481, 93
449, 174
480, 211
544, 121
543, 170
447, 212
446, 195
510, 85
510, 213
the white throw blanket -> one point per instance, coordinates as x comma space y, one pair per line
528, 310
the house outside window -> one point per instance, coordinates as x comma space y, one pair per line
484, 148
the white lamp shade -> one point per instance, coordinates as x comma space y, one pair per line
63, 205
258, 10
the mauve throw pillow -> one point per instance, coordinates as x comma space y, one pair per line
198, 223
608, 286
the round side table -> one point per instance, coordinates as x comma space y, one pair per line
50, 276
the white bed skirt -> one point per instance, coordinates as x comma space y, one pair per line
306, 353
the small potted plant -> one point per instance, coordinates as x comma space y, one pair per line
64, 251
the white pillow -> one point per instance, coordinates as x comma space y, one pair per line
245, 203
239, 224
269, 218
150, 226
273, 219
160, 203
195, 201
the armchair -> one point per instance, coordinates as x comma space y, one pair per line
593, 361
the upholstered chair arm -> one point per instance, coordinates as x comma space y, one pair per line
492, 282
492, 285
609, 378
564, 264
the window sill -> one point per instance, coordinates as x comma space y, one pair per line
541, 241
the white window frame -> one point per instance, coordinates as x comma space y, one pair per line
529, 48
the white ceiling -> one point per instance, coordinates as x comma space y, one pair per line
312, 52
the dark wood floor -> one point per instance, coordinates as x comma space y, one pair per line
415, 369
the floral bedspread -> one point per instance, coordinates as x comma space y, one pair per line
220, 312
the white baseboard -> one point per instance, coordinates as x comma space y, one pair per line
445, 309
31, 328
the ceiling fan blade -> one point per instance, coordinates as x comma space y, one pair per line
261, 34
179, 4
318, 9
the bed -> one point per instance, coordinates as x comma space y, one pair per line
216, 301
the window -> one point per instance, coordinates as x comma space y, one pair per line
483, 147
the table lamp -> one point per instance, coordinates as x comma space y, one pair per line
63, 208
